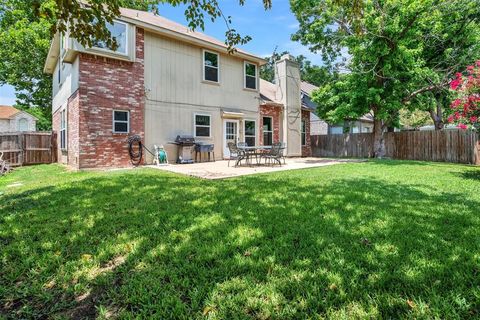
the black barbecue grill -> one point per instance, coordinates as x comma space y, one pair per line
185, 148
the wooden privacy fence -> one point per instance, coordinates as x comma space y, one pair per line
457, 146
25, 148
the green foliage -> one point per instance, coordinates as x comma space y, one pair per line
370, 243
27, 26
24, 47
414, 119
309, 72
396, 49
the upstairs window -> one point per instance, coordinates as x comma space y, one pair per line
250, 76
121, 121
22, 124
118, 31
210, 66
202, 125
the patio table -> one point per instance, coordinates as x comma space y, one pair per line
250, 152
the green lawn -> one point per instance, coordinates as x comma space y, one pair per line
363, 240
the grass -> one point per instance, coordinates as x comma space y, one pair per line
384, 239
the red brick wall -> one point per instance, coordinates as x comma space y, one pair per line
106, 85
307, 148
274, 112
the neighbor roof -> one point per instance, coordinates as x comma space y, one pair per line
8, 112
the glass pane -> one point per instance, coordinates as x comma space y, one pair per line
303, 139
202, 120
303, 126
120, 116
202, 131
119, 33
62, 139
211, 74
249, 128
211, 59
267, 124
250, 69
251, 82
121, 127
250, 141
267, 138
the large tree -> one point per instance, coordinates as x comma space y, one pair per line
385, 41
26, 27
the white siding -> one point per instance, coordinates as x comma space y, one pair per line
68, 83
175, 92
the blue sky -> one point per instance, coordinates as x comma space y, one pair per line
268, 29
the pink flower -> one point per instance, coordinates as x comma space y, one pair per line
462, 126
454, 84
450, 119
473, 119
455, 103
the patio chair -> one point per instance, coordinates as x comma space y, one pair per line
235, 153
274, 154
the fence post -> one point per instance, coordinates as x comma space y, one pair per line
21, 144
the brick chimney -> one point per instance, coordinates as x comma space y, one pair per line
287, 80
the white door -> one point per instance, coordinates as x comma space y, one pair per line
230, 134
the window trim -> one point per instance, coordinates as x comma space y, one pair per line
63, 127
120, 121
245, 131
303, 132
263, 131
217, 67
127, 36
245, 76
201, 125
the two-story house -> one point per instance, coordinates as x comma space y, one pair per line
162, 81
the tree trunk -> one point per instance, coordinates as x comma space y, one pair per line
437, 114
379, 149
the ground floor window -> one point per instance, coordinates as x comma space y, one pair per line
202, 125
63, 129
250, 133
304, 132
267, 131
121, 121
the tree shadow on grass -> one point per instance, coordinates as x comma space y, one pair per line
280, 246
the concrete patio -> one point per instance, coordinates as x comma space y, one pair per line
221, 170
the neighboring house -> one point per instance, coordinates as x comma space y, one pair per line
320, 127
165, 80
362, 125
13, 119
